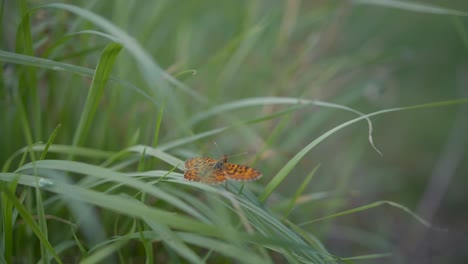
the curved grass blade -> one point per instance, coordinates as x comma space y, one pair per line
284, 172
103, 253
261, 101
111, 176
372, 205
60, 66
154, 75
118, 204
63, 149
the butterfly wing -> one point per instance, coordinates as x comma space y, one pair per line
204, 170
198, 162
191, 175
215, 176
240, 172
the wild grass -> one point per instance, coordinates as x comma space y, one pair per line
123, 94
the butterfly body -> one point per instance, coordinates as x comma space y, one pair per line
208, 170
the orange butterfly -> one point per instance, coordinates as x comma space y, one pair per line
208, 170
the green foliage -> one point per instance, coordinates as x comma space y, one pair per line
122, 94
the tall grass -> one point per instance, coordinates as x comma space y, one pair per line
102, 104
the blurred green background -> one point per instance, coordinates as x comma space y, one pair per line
365, 55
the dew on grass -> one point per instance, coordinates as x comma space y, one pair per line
43, 182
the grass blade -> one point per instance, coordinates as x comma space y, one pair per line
101, 76
372, 205
28, 80
284, 172
28, 218
413, 6
300, 190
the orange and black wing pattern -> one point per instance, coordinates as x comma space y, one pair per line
208, 170
204, 170
240, 172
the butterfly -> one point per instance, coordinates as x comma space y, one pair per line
208, 170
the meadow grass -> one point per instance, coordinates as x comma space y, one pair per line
101, 106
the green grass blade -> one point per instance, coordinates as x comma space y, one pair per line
101, 76
369, 256
142, 161
62, 149
29, 219
284, 172
258, 69
100, 255
372, 205
225, 248
414, 7
112, 176
300, 190
42, 223
25, 123
247, 44
119, 204
7, 220
186, 140
60, 66
49, 142
39, 202
152, 72
174, 242
28, 83
79, 244
262, 101
157, 153
158, 126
